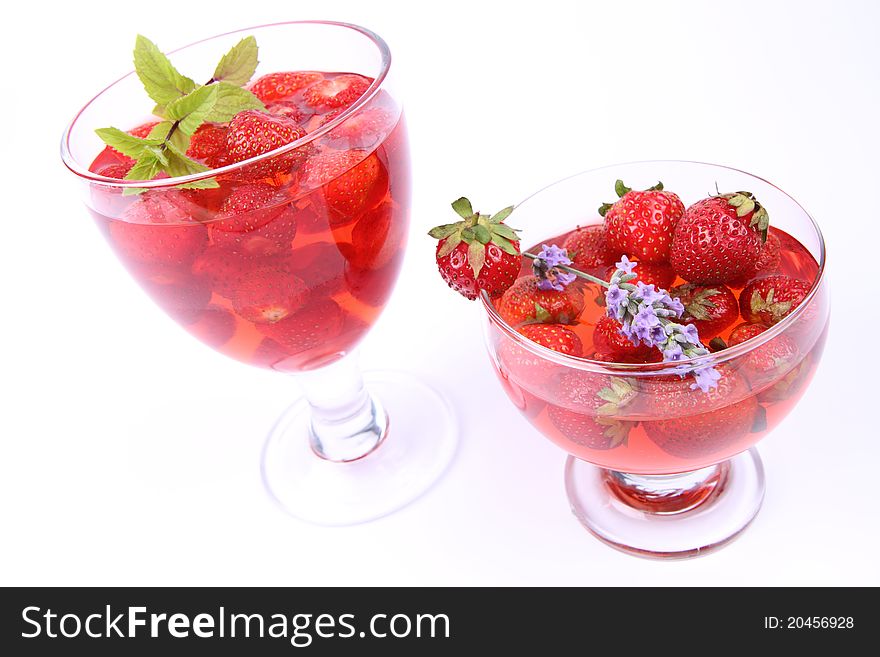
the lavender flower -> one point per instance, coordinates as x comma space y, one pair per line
625, 265
646, 314
546, 268
706, 378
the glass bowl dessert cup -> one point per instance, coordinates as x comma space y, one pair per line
656, 466
284, 256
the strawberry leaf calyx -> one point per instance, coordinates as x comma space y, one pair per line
622, 190
477, 231
767, 304
616, 395
184, 106
745, 203
700, 305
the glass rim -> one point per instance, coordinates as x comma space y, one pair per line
655, 369
83, 171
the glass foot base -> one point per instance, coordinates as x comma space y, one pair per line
669, 516
420, 443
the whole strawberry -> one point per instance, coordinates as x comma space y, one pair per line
641, 224
588, 248
353, 181
768, 300
612, 344
658, 274
584, 407
252, 133
533, 371
769, 361
524, 303
697, 426
711, 308
767, 263
720, 238
477, 253
278, 86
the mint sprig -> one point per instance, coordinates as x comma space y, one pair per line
184, 106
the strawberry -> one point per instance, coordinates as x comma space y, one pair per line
286, 110
641, 224
341, 91
588, 248
477, 253
253, 133
157, 230
658, 274
767, 263
533, 371
223, 269
711, 308
268, 294
318, 323
525, 303
180, 295
769, 360
609, 341
376, 238
143, 130
364, 129
248, 224
352, 182
744, 332
768, 300
118, 170
320, 265
208, 145
789, 385
554, 336
697, 425
719, 239
214, 326
278, 86
373, 286
586, 404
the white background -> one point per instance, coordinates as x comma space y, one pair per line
130, 451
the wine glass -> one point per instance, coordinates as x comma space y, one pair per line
295, 278
668, 471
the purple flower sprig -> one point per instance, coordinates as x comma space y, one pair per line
647, 315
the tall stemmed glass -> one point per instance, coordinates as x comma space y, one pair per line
297, 279
671, 472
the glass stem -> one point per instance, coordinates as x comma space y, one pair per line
347, 423
665, 494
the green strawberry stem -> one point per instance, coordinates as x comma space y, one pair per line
576, 272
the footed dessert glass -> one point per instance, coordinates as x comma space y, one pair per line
672, 472
294, 275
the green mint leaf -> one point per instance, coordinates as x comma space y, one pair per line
180, 140
160, 131
146, 168
193, 109
230, 101
161, 80
123, 142
179, 164
238, 65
